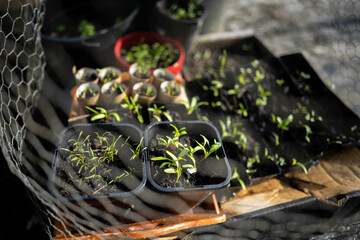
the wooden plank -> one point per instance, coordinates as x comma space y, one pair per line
151, 228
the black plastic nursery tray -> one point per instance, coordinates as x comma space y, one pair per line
260, 95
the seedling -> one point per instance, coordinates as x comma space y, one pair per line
78, 152
172, 89
229, 129
111, 76
262, 96
149, 92
236, 176
191, 168
308, 131
172, 163
132, 105
88, 154
86, 28
255, 159
152, 56
206, 145
174, 140
191, 11
88, 92
282, 124
193, 105
158, 111
108, 148
215, 87
242, 111
296, 163
102, 113
138, 150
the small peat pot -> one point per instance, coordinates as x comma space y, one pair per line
109, 74
112, 93
146, 91
87, 94
86, 75
138, 75
96, 161
184, 156
162, 75
170, 92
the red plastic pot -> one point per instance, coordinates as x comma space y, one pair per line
149, 37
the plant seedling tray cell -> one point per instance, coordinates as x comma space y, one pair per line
212, 173
68, 181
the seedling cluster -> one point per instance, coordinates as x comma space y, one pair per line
151, 56
94, 157
178, 156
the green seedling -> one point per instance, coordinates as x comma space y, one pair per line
172, 163
242, 111
308, 132
215, 87
78, 154
174, 140
229, 129
262, 96
172, 89
156, 55
149, 92
86, 28
189, 12
131, 103
88, 90
191, 168
193, 105
108, 148
138, 150
296, 163
102, 113
158, 111
282, 124
255, 159
206, 145
236, 176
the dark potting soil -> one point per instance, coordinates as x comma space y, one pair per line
108, 171
187, 180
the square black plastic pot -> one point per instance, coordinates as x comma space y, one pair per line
211, 173
64, 178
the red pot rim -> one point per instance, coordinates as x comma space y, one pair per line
150, 37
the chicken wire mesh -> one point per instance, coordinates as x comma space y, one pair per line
35, 100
